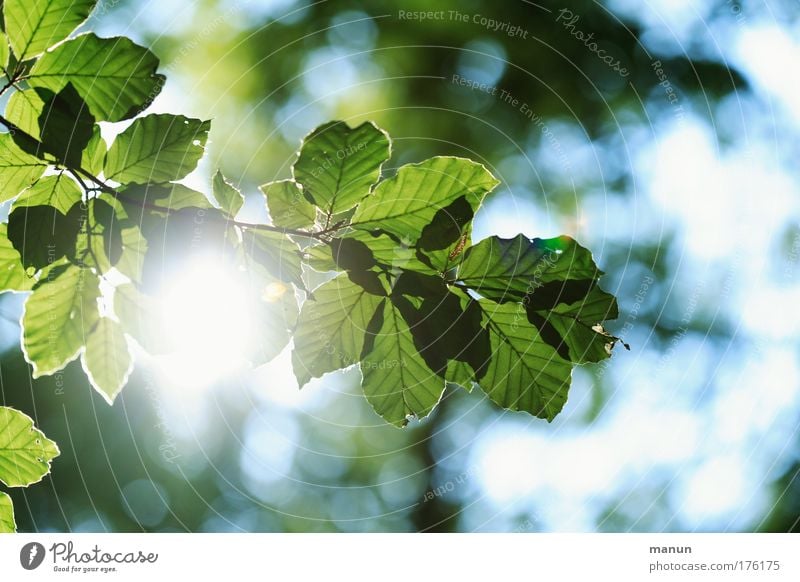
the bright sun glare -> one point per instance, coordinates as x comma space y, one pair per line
204, 313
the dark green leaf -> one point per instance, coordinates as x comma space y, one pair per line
572, 323
41, 234
509, 269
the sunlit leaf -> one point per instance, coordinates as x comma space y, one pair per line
406, 203
58, 317
228, 197
114, 76
276, 252
12, 273
36, 25
157, 148
338, 165
288, 207
4, 51
106, 360
7, 523
18, 169
331, 328
525, 373
94, 155
140, 318
60, 122
25, 453
59, 191
396, 379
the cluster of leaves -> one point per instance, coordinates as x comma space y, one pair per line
94, 232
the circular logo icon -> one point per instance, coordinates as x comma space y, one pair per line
31, 555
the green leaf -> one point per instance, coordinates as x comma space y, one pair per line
12, 273
18, 170
115, 77
443, 240
4, 52
7, 523
509, 269
35, 25
274, 313
59, 191
157, 148
569, 316
287, 205
25, 453
142, 200
137, 314
331, 328
106, 360
58, 317
228, 197
406, 203
276, 252
338, 165
98, 242
94, 155
42, 234
397, 382
396, 254
525, 373
61, 122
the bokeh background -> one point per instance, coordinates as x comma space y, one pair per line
681, 175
